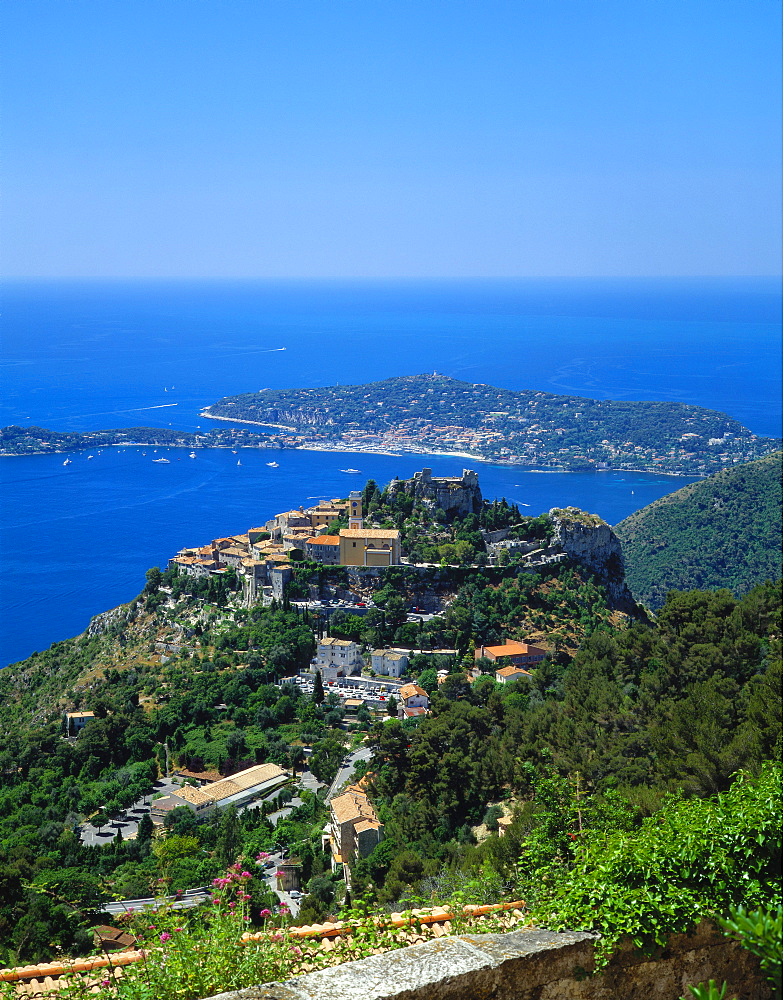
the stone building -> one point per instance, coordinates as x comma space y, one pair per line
457, 496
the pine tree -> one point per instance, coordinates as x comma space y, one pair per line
229, 840
318, 689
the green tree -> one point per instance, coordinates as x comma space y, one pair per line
318, 689
228, 842
154, 579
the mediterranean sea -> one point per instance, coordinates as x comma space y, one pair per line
76, 539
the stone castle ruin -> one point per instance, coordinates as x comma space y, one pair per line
457, 496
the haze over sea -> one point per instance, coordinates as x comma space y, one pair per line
77, 539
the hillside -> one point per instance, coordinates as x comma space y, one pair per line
190, 675
722, 532
427, 413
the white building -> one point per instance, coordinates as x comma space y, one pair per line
337, 658
237, 790
414, 700
390, 662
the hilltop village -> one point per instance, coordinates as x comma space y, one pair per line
334, 533
378, 698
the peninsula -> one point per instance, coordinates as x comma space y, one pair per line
431, 414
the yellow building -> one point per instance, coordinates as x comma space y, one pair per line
369, 547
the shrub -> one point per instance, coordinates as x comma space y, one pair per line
694, 858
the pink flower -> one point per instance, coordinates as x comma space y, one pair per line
178, 930
165, 936
151, 927
217, 902
283, 908
106, 982
265, 913
246, 874
297, 950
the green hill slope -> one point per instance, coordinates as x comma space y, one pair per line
722, 532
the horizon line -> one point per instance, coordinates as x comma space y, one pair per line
6, 279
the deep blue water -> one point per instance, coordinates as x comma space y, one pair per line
76, 540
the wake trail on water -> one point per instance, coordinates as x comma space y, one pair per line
133, 409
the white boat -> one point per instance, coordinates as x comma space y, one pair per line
67, 461
352, 472
273, 465
166, 460
239, 462
192, 455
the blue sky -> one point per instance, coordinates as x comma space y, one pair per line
431, 138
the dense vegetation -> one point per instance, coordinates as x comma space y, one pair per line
214, 708
15, 440
634, 715
628, 728
433, 412
722, 532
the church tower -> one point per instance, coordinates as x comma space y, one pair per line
355, 510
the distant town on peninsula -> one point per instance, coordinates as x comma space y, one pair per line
434, 413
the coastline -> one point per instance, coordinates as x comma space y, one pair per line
359, 450
237, 420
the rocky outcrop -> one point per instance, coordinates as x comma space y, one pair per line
590, 541
457, 496
112, 622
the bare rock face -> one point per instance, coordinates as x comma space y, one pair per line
590, 541
457, 496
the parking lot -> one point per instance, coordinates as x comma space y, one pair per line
352, 687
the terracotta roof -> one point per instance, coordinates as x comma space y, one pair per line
324, 540
43, 980
511, 671
367, 824
515, 649
244, 780
196, 796
411, 690
353, 805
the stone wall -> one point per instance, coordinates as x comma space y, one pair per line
528, 965
457, 497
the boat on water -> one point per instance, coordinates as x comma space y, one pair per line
352, 472
273, 465
166, 460
67, 461
192, 455
90, 458
239, 462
